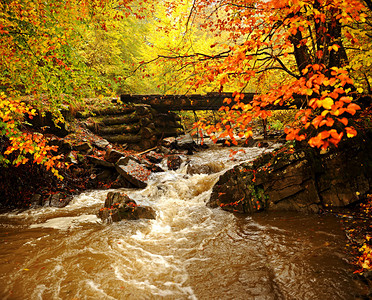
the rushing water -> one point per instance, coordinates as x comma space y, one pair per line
188, 252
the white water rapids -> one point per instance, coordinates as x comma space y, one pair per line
189, 251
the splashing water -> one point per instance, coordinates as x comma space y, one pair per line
188, 252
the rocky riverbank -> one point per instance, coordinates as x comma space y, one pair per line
91, 162
300, 180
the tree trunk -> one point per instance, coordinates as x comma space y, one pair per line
336, 58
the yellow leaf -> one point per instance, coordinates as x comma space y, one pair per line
327, 103
248, 133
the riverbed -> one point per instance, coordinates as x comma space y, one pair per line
188, 252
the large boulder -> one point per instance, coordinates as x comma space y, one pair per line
297, 180
118, 206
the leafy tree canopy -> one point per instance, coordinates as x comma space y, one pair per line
59, 51
319, 50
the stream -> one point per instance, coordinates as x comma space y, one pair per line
189, 252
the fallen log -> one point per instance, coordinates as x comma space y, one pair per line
117, 110
118, 120
118, 129
123, 138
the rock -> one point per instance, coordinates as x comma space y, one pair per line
209, 168
291, 187
250, 142
299, 181
83, 147
101, 143
106, 175
116, 197
132, 171
119, 206
63, 145
57, 200
99, 162
162, 150
234, 191
113, 155
121, 182
168, 142
174, 162
151, 166
145, 212
186, 142
154, 157
36, 200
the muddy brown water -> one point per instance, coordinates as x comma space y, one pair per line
188, 252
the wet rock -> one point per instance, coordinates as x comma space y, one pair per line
297, 180
154, 157
132, 171
162, 150
119, 206
145, 212
186, 142
168, 142
113, 155
63, 145
121, 182
57, 200
208, 168
151, 166
99, 162
234, 191
251, 142
101, 144
106, 175
174, 162
36, 200
116, 197
83, 147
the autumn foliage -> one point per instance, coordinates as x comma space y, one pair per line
41, 58
21, 145
282, 50
318, 51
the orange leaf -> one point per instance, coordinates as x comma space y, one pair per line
343, 121
352, 108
